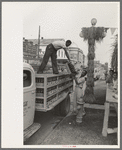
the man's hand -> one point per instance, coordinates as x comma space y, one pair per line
68, 61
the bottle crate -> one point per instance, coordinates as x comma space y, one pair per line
49, 81
51, 89
60, 86
67, 77
60, 94
61, 78
51, 99
40, 92
40, 101
54, 89
54, 80
40, 81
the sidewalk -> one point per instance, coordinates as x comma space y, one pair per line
68, 132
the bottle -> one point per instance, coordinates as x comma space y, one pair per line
42, 81
36, 81
42, 92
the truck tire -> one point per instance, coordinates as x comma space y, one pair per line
65, 106
57, 110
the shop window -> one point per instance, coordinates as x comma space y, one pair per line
26, 78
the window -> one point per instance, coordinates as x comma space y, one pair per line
59, 53
26, 78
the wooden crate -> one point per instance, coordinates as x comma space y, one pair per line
50, 88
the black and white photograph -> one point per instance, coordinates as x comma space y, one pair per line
60, 72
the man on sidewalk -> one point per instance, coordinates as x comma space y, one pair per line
51, 51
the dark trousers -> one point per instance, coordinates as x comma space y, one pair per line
50, 52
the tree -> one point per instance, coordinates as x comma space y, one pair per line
91, 34
114, 58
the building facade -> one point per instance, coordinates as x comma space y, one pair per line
75, 53
29, 50
100, 69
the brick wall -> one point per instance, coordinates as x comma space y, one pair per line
29, 49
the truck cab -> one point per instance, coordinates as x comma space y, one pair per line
29, 92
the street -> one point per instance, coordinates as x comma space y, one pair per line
48, 120
70, 134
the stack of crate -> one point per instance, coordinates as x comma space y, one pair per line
50, 88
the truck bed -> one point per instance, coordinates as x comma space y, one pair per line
51, 89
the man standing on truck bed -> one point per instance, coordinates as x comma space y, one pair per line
51, 51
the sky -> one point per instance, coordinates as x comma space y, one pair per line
66, 19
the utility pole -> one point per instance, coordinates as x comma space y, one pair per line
38, 43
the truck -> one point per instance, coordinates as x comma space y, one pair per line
44, 92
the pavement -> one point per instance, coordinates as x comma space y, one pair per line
89, 132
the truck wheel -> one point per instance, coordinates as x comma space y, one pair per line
57, 110
65, 106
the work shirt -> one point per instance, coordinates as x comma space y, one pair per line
59, 44
79, 89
